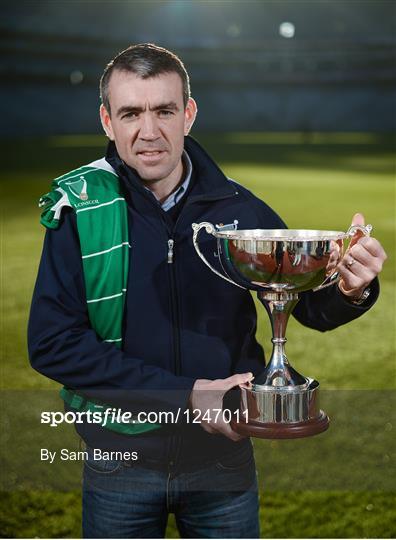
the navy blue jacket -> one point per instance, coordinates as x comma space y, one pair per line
182, 322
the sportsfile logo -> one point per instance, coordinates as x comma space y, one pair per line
111, 415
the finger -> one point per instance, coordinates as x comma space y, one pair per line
235, 380
351, 267
373, 246
357, 269
364, 257
246, 384
352, 282
358, 219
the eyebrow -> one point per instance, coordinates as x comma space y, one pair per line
171, 105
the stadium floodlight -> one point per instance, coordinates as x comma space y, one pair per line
76, 77
234, 30
287, 29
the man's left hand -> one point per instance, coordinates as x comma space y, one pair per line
361, 263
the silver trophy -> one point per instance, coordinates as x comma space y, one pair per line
279, 264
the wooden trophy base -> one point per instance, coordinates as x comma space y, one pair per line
280, 430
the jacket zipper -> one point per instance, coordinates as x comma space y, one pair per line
171, 243
175, 440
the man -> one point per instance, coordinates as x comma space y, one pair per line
125, 314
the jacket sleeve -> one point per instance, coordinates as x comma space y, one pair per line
326, 309
63, 346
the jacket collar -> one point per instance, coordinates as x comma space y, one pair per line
210, 183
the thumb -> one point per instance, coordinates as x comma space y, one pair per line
358, 219
236, 380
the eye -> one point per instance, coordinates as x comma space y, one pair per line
130, 114
165, 112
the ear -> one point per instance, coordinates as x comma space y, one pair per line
106, 122
190, 113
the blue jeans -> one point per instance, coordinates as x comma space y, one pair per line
125, 500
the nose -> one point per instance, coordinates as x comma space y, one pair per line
149, 129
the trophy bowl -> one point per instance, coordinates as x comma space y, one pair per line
279, 264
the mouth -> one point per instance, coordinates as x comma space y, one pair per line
150, 156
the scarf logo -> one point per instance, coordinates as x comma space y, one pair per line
79, 188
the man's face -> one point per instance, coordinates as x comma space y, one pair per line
148, 123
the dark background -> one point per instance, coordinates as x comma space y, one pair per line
336, 74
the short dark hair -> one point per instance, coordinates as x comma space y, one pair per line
145, 60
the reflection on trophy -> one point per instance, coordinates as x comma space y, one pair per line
279, 264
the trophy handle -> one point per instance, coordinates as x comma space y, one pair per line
210, 229
335, 277
365, 229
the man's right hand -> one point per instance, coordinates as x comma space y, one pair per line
207, 395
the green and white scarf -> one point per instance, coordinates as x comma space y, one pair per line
93, 192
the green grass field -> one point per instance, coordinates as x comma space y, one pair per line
336, 485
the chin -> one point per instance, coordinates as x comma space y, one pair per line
153, 173
151, 176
